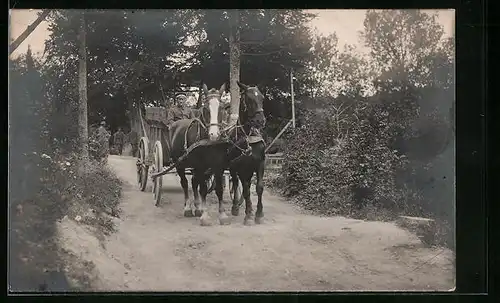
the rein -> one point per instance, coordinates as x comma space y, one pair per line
193, 120
238, 125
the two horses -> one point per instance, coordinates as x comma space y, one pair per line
242, 152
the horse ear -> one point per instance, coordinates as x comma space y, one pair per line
205, 89
242, 86
222, 88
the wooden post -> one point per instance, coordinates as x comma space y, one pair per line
279, 135
293, 98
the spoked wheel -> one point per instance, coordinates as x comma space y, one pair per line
239, 191
157, 167
142, 168
211, 184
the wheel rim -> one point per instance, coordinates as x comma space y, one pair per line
142, 171
231, 192
158, 165
210, 184
139, 168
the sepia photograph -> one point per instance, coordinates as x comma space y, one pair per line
239, 150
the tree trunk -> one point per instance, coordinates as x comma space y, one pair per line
14, 45
200, 96
134, 114
234, 64
82, 89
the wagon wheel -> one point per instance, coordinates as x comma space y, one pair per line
210, 184
157, 167
142, 168
231, 191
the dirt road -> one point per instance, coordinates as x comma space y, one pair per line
158, 249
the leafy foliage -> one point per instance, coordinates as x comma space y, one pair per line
407, 49
356, 153
144, 57
46, 182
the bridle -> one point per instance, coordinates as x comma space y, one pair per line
203, 118
239, 125
244, 97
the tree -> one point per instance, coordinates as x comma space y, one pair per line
321, 75
271, 42
403, 45
137, 55
234, 64
130, 54
355, 74
82, 89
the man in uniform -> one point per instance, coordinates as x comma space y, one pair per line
118, 139
133, 138
179, 110
103, 138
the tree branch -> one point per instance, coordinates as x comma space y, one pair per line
14, 45
262, 54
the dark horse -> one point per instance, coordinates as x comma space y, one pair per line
200, 137
247, 153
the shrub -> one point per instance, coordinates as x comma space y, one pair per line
342, 171
55, 187
47, 182
356, 157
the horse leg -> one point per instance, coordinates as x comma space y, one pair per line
223, 218
235, 210
246, 182
259, 214
184, 183
195, 183
205, 219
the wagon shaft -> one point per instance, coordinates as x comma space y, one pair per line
165, 171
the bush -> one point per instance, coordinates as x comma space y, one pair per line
54, 187
359, 157
342, 172
47, 182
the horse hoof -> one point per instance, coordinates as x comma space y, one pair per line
198, 213
188, 213
235, 211
205, 221
248, 221
259, 220
224, 219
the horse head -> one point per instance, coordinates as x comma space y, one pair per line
211, 111
252, 106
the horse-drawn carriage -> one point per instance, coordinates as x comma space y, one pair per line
151, 156
207, 147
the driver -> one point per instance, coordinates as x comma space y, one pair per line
179, 110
